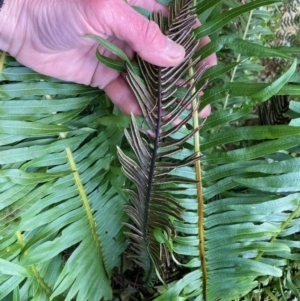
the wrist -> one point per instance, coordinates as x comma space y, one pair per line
10, 20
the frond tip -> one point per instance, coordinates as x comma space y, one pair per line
153, 203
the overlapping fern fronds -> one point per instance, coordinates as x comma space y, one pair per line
61, 203
60, 213
240, 238
274, 111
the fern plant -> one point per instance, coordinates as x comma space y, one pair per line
56, 166
154, 204
225, 224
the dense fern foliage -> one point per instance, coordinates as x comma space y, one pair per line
229, 231
56, 164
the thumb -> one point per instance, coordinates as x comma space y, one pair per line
145, 37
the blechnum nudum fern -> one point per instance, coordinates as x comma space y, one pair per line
213, 226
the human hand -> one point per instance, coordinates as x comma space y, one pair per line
47, 36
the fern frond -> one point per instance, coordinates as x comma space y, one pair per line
60, 215
153, 205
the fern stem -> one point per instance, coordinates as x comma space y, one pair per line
238, 58
84, 199
2, 59
37, 275
199, 191
270, 294
152, 168
154, 152
291, 217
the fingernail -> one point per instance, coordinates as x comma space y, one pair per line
174, 50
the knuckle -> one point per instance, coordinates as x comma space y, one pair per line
152, 34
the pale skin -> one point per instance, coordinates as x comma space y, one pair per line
47, 36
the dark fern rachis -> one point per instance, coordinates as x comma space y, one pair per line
155, 146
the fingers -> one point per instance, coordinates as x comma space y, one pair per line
151, 5
144, 37
212, 59
147, 40
209, 61
205, 112
122, 96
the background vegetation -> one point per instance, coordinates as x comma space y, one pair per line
62, 203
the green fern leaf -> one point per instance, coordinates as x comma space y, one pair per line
60, 215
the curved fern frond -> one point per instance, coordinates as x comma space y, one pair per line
153, 205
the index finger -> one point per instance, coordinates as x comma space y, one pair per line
150, 5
